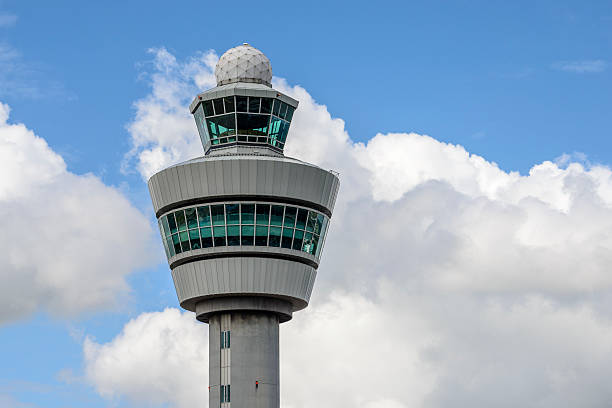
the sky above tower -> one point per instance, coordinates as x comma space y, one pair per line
468, 259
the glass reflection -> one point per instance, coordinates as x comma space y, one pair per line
246, 224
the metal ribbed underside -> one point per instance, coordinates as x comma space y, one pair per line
278, 278
243, 176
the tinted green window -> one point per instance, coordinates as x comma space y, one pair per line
232, 213
263, 214
319, 224
161, 230
276, 108
302, 215
283, 110
176, 243
290, 110
192, 218
172, 223
219, 236
315, 243
282, 136
170, 246
198, 115
323, 232
221, 126
218, 103
287, 227
227, 389
287, 237
275, 131
218, 215
254, 104
247, 213
208, 108
307, 245
241, 103
298, 240
229, 104
266, 105
180, 220
312, 220
290, 213
184, 236
194, 239
233, 235
206, 234
275, 235
261, 235
166, 226
277, 215
222, 394
247, 235
204, 216
253, 124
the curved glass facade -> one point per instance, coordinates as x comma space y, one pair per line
244, 119
245, 224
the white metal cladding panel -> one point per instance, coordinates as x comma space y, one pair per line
251, 169
190, 180
243, 176
153, 191
237, 188
164, 189
223, 276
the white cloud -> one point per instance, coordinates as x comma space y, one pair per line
157, 358
581, 67
68, 240
163, 129
445, 280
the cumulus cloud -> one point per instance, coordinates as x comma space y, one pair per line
158, 358
68, 240
163, 128
446, 281
581, 67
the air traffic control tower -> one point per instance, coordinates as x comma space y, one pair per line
243, 227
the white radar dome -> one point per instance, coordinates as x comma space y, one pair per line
243, 64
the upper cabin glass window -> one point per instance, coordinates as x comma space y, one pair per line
283, 110
208, 108
290, 110
254, 125
266, 105
242, 103
198, 115
244, 119
218, 104
222, 128
254, 104
229, 104
276, 107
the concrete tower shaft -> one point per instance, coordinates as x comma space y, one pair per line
243, 228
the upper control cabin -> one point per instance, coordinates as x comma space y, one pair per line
243, 110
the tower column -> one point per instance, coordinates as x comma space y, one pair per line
244, 359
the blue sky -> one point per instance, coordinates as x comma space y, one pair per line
516, 83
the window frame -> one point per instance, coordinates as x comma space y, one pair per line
214, 234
